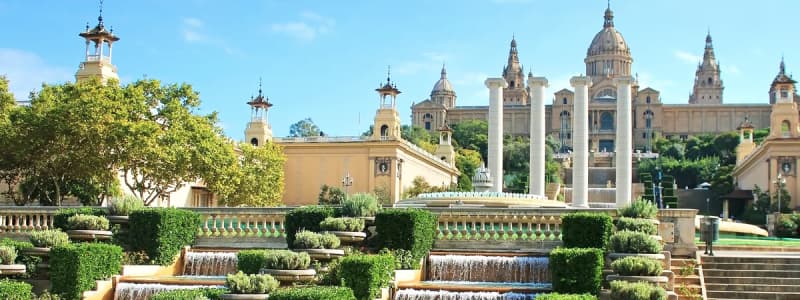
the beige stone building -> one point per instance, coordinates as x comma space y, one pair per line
607, 57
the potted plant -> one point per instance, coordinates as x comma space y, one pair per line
636, 291
287, 266
640, 209
638, 269
630, 243
348, 230
8, 255
88, 228
249, 287
318, 246
364, 206
406, 268
119, 208
43, 240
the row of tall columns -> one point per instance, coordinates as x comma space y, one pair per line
537, 139
496, 86
580, 141
624, 141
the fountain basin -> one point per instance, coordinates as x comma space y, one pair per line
89, 235
12, 269
349, 237
286, 276
322, 254
472, 286
176, 280
37, 251
413, 294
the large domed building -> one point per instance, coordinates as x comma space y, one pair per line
608, 56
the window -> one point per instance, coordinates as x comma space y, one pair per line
564, 101
648, 100
427, 119
511, 84
684, 137
710, 81
606, 121
384, 131
784, 93
786, 128
254, 141
569, 135
648, 119
428, 125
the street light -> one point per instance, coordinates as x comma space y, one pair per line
347, 182
780, 181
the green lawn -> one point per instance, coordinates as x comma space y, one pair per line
732, 240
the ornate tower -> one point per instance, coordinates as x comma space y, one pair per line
746, 144
98, 62
443, 92
784, 119
608, 55
707, 82
515, 93
387, 119
445, 149
258, 129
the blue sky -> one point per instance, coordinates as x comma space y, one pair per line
323, 59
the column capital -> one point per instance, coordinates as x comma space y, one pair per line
624, 80
496, 83
537, 81
577, 81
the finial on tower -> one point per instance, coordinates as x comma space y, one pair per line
388, 74
783, 66
100, 17
609, 17
259, 86
444, 72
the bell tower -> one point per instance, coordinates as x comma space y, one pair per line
515, 93
746, 144
445, 150
258, 129
707, 83
387, 119
784, 119
97, 62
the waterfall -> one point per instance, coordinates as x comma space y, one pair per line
143, 291
475, 268
411, 294
209, 263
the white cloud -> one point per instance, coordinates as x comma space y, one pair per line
193, 31
309, 27
687, 57
731, 69
26, 71
193, 22
427, 62
648, 80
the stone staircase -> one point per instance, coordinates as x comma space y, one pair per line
551, 190
752, 277
688, 283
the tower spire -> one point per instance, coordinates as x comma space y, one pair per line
609, 17
782, 67
100, 17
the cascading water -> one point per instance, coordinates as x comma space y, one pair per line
411, 294
209, 263
140, 291
506, 269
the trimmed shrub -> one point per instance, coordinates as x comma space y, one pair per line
409, 229
8, 255
634, 242
286, 260
645, 226
194, 294
307, 217
241, 283
366, 274
74, 268
403, 259
19, 245
576, 270
123, 206
313, 293
360, 205
786, 226
623, 290
162, 232
48, 238
30, 262
62, 215
305, 239
329, 241
557, 296
586, 230
251, 261
14, 290
639, 209
637, 266
342, 224
87, 222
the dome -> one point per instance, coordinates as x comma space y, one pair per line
481, 176
608, 40
443, 85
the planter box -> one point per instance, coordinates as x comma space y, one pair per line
12, 269
350, 237
89, 235
288, 276
121, 220
322, 254
36, 251
658, 280
660, 256
244, 296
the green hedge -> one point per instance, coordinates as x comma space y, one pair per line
366, 274
75, 267
634, 242
557, 296
210, 293
313, 293
635, 224
31, 262
307, 217
637, 266
251, 261
623, 290
162, 232
576, 270
14, 290
586, 230
639, 209
62, 215
410, 229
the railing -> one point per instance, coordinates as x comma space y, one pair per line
242, 222
22, 220
104, 59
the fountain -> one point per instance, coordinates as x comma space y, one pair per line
411, 294
200, 269
138, 291
479, 199
209, 263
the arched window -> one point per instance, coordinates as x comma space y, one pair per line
427, 119
606, 93
710, 81
254, 141
564, 133
786, 128
648, 100
384, 131
606, 121
564, 101
511, 84
648, 119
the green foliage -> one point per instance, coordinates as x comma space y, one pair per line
686, 172
688, 268
639, 209
313, 293
307, 217
241, 283
408, 229
634, 242
123, 206
421, 186
623, 290
367, 274
639, 225
193, 294
637, 266
87, 222
467, 161
576, 270
8, 255
46, 295
472, 135
162, 232
420, 137
304, 128
586, 230
74, 268
342, 224
360, 205
330, 195
252, 261
403, 259
48, 238
14, 290
62, 215
255, 179
30, 262
305, 239
786, 227
557, 296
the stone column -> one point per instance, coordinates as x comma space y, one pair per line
624, 140
537, 161
495, 158
580, 142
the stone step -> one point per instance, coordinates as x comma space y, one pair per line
751, 273
750, 295
679, 262
752, 280
751, 260
753, 288
693, 279
754, 266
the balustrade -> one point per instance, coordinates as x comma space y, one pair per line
26, 219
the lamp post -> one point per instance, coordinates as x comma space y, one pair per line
657, 188
779, 182
347, 182
708, 207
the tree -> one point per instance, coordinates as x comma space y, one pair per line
257, 177
725, 147
12, 155
420, 137
675, 151
467, 161
473, 135
304, 128
330, 195
420, 186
